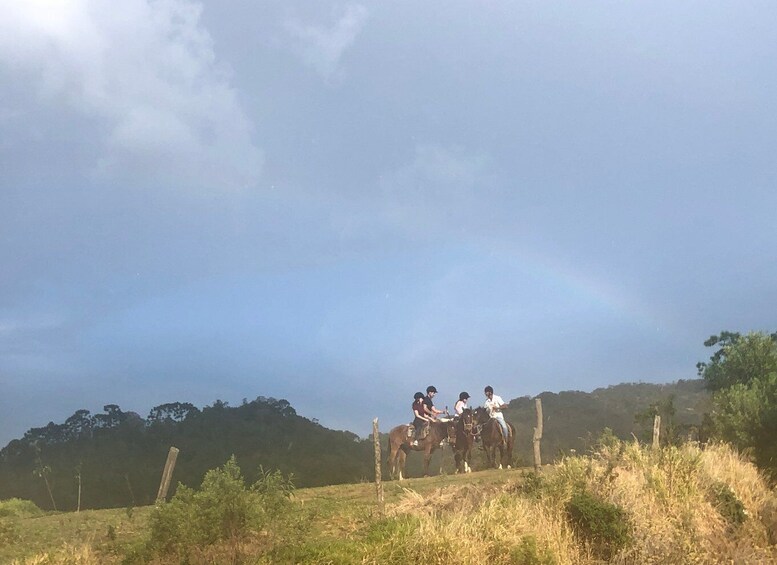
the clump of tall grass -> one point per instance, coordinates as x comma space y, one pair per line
624, 503
66, 555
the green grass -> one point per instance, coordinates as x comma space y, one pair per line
334, 519
49, 532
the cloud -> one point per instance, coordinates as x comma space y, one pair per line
441, 190
322, 48
142, 78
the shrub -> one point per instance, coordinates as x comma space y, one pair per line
223, 510
527, 553
604, 526
16, 507
727, 504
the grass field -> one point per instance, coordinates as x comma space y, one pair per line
334, 513
624, 503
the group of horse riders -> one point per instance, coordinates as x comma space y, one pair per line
424, 411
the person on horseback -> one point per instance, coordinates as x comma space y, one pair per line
461, 403
420, 418
494, 405
430, 410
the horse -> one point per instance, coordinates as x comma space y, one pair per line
465, 439
493, 439
400, 444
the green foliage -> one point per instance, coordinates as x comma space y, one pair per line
727, 503
16, 507
743, 374
528, 553
739, 359
222, 510
604, 526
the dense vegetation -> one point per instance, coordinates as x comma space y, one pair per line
117, 457
742, 375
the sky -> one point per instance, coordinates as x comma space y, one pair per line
340, 203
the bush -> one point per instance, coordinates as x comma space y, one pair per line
223, 510
727, 504
18, 508
604, 526
527, 553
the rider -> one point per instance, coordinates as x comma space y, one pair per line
494, 405
419, 412
430, 410
461, 403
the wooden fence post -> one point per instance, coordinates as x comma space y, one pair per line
378, 484
656, 431
167, 474
538, 435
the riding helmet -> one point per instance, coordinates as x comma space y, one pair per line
431, 389
418, 395
464, 396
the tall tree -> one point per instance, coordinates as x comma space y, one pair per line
743, 376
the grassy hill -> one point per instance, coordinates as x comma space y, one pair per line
623, 503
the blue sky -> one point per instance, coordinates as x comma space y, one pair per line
339, 203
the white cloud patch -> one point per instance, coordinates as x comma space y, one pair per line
143, 78
322, 48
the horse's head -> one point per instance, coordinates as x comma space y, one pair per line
467, 419
481, 416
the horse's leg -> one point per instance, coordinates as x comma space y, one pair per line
457, 459
401, 456
428, 458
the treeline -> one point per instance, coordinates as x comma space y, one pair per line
574, 420
117, 457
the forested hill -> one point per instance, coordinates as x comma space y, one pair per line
120, 455
573, 419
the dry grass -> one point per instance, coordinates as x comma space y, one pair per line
67, 555
669, 496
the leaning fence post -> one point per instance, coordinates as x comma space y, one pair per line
538, 435
167, 474
656, 431
378, 484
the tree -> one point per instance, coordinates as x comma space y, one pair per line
743, 377
739, 359
664, 408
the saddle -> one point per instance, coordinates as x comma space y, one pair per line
418, 434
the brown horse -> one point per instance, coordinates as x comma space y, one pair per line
493, 439
465, 439
400, 444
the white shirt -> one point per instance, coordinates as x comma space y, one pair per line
494, 402
460, 406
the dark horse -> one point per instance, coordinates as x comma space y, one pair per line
493, 439
465, 439
400, 444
